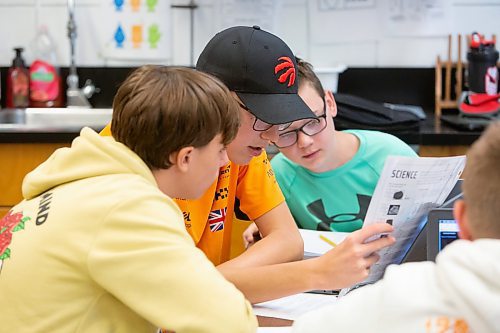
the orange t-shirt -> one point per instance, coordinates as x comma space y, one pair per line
209, 219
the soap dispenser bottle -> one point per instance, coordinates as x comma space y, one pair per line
17, 82
45, 79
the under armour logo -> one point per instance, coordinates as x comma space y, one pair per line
317, 208
289, 74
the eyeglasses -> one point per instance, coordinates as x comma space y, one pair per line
260, 125
312, 127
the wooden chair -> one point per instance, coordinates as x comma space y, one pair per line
448, 101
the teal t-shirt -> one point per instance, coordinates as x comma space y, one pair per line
337, 199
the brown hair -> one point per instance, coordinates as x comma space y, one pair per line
159, 110
481, 185
307, 75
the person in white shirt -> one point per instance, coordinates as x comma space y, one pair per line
458, 293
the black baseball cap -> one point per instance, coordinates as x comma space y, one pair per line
260, 68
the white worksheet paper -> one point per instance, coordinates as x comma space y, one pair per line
407, 189
278, 329
291, 307
314, 246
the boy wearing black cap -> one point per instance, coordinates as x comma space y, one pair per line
261, 72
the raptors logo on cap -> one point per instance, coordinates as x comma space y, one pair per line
288, 67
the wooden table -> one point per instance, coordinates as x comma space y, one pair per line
273, 322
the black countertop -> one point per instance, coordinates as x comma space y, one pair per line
431, 133
410, 86
413, 86
439, 133
37, 137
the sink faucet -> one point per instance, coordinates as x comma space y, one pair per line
76, 97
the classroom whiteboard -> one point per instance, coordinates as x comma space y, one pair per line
394, 33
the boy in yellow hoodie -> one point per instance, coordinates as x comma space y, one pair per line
98, 245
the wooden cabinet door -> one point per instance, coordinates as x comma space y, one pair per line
16, 160
3, 211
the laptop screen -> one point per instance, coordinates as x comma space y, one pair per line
442, 229
448, 232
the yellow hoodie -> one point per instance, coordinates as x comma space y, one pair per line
97, 247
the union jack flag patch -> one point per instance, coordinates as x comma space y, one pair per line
216, 219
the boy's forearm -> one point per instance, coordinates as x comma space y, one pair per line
278, 247
264, 283
342, 266
275, 248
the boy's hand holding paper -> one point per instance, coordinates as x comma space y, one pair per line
350, 261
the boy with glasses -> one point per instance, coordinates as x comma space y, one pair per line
328, 176
309, 128
335, 172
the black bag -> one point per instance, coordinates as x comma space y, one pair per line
359, 113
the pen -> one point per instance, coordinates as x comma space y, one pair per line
329, 241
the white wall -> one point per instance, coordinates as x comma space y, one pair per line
326, 32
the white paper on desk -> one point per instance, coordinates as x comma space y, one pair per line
407, 189
314, 246
291, 307
277, 329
